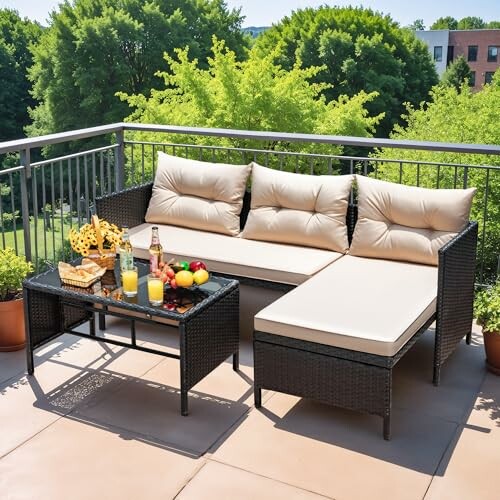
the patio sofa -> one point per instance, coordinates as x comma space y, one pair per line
364, 280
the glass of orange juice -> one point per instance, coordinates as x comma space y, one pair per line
155, 290
129, 282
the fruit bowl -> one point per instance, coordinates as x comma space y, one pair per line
184, 275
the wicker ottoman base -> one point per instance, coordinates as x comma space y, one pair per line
339, 377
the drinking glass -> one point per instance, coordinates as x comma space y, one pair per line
129, 282
155, 290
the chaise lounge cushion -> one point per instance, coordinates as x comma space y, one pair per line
405, 222
198, 195
236, 256
305, 210
356, 303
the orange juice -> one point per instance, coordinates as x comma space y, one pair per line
129, 282
155, 290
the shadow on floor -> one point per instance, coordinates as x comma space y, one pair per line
426, 420
147, 410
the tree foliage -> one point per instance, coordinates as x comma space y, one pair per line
360, 50
445, 23
255, 94
16, 36
467, 23
460, 116
471, 23
457, 73
95, 48
418, 24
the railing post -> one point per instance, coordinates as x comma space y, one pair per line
120, 161
25, 156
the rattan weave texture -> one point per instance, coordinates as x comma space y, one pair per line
457, 266
211, 337
126, 208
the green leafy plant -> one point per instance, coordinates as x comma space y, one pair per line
487, 309
13, 269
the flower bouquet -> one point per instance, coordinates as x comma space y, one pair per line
98, 241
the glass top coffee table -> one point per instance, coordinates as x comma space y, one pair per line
206, 316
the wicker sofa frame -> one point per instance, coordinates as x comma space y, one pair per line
340, 377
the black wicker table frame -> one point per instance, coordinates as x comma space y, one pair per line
348, 379
208, 332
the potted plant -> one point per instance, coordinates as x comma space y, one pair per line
13, 269
487, 311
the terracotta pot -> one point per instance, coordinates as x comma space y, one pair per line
492, 348
12, 334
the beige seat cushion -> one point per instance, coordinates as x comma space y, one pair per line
307, 210
356, 303
405, 222
197, 194
236, 256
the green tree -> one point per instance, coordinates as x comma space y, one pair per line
255, 94
457, 73
359, 50
16, 36
460, 116
445, 23
418, 24
471, 23
493, 25
95, 48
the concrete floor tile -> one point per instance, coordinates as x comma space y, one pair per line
71, 460
11, 364
68, 371
471, 464
323, 449
461, 377
470, 468
150, 405
24, 407
217, 481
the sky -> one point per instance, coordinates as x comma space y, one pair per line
267, 12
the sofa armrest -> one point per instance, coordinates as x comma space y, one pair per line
455, 297
126, 208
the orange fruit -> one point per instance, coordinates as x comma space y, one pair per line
184, 279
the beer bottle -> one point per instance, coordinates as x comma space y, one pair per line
126, 252
155, 251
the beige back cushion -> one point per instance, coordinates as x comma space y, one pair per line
198, 195
407, 223
305, 210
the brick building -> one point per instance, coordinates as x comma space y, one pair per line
479, 47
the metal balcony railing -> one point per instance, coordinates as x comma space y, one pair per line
43, 195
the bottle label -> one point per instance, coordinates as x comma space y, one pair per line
153, 262
126, 261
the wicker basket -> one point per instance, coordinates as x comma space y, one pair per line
104, 257
76, 286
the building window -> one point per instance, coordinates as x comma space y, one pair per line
488, 76
492, 53
472, 53
438, 53
449, 56
472, 79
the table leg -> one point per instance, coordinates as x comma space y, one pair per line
102, 321
92, 325
184, 403
27, 325
236, 361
